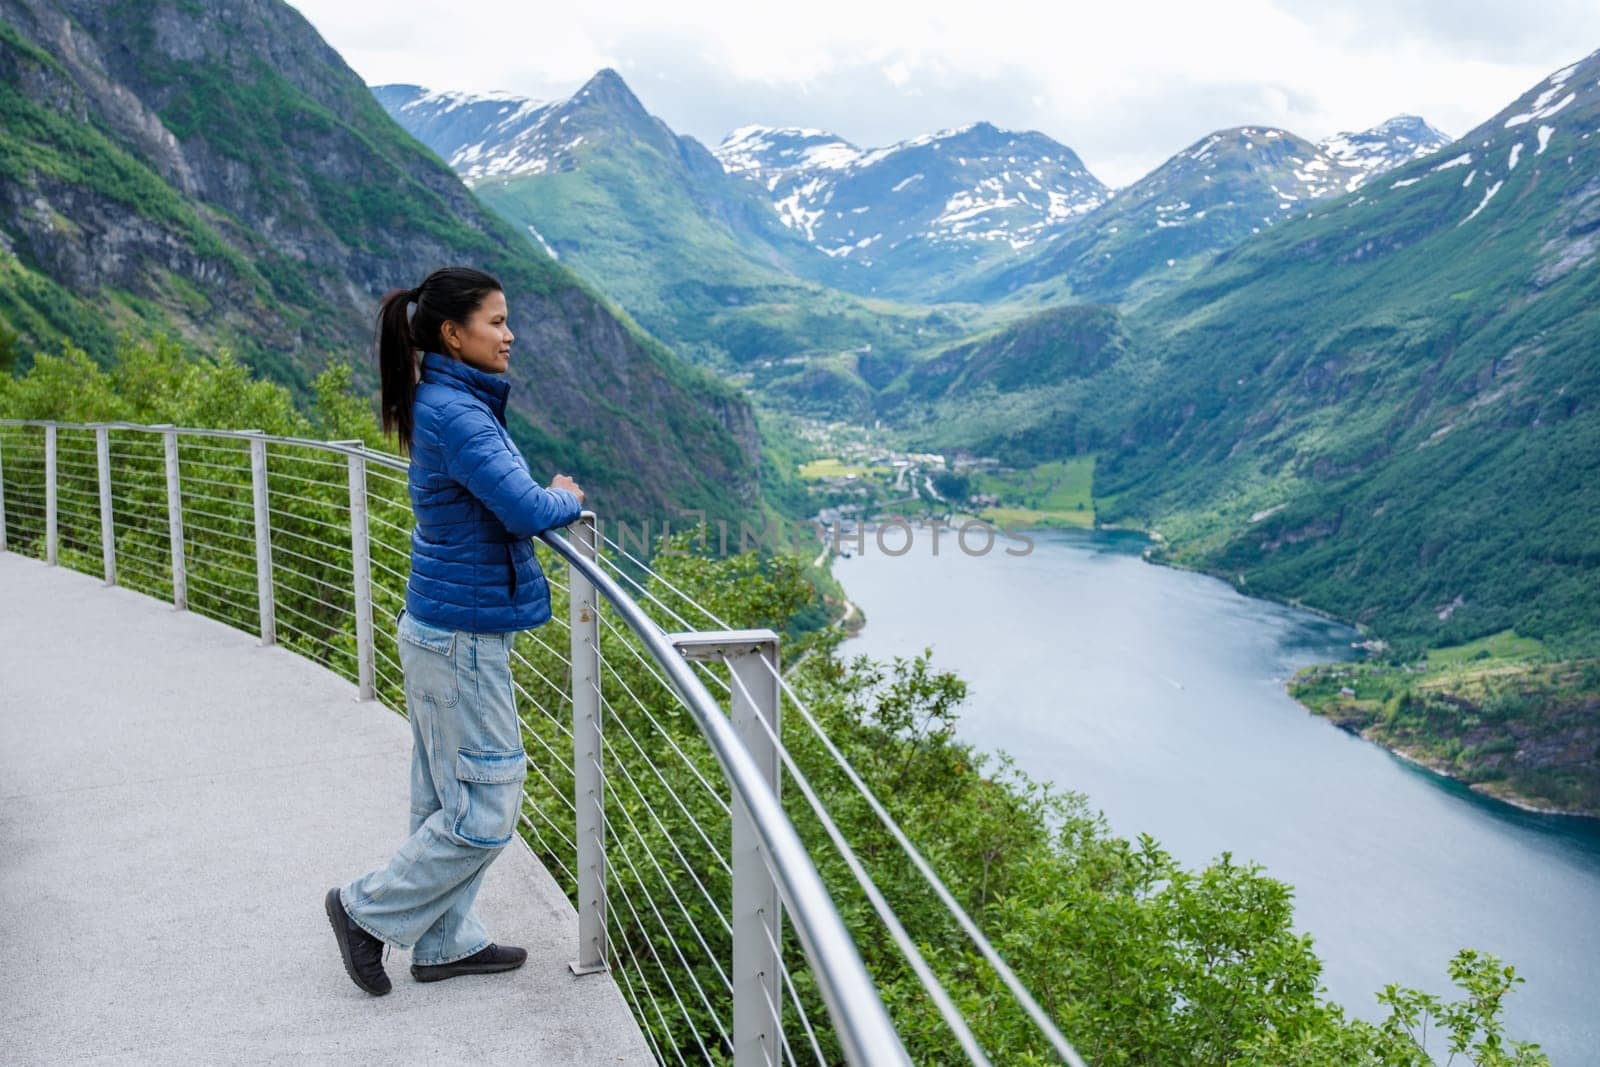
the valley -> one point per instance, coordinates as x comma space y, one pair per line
1289, 361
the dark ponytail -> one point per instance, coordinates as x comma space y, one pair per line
450, 294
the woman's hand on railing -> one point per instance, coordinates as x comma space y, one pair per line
561, 481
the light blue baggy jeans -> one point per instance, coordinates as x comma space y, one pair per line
467, 770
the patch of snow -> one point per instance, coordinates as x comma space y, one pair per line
1539, 110
835, 156
1544, 138
1460, 161
1516, 150
542, 242
1403, 182
1487, 196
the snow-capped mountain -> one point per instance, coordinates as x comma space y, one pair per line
1541, 131
498, 135
971, 213
903, 217
1219, 191
478, 134
694, 253
1383, 147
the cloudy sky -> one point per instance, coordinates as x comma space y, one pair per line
1125, 87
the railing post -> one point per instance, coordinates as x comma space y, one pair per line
108, 526
588, 778
3, 546
757, 915
180, 575
258, 492
50, 536
361, 570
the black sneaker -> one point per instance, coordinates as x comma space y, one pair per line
484, 961
363, 953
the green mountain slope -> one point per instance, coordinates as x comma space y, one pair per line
215, 170
1387, 408
1057, 383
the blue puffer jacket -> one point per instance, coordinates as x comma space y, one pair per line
476, 505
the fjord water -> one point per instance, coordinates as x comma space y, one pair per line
1160, 694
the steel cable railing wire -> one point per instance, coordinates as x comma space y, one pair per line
308, 501
139, 510
947, 1009
647, 782
666, 584
862, 1026
658, 942
925, 975
22, 467
1019, 992
662, 879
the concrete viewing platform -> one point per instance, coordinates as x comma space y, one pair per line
175, 800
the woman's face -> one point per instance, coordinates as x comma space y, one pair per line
484, 340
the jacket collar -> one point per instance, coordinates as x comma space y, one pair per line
492, 389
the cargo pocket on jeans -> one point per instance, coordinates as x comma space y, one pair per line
491, 795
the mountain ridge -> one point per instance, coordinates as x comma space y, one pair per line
901, 218
1210, 196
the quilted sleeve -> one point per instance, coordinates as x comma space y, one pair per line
477, 456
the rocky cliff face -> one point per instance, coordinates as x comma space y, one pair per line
215, 169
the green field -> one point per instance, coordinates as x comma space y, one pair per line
1058, 493
1503, 645
821, 469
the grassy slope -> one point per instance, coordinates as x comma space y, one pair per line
1387, 411
1421, 419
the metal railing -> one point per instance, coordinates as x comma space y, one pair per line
672, 839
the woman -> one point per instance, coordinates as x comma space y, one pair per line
474, 582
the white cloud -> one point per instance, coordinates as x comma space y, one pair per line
1124, 92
